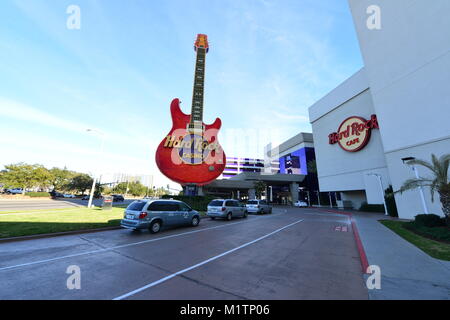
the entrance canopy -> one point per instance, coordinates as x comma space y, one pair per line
271, 179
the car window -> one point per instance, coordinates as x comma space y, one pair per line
163, 206
136, 205
184, 207
262, 202
215, 203
229, 203
252, 202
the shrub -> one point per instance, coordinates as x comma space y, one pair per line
371, 207
199, 203
38, 194
429, 220
435, 233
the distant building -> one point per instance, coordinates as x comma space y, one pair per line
235, 166
145, 179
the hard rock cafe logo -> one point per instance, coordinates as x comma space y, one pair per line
354, 133
192, 148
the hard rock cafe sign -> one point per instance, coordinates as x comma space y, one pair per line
354, 133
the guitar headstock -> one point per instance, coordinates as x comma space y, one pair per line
201, 42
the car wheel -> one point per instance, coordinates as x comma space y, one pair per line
155, 226
212, 218
262, 211
229, 216
270, 212
245, 214
195, 221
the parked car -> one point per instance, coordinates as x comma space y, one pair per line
14, 191
226, 209
258, 206
153, 214
118, 198
300, 204
66, 195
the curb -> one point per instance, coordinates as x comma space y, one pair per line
56, 234
359, 245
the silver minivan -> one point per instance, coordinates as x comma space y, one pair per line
258, 206
153, 214
226, 209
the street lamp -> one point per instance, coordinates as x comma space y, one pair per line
102, 135
416, 172
381, 190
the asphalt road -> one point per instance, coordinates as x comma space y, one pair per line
18, 205
294, 253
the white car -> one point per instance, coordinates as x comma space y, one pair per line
300, 204
68, 196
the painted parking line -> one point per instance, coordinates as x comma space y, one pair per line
152, 284
126, 245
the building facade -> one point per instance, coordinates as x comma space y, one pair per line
235, 166
405, 84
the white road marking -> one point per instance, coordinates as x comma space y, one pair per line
124, 245
201, 263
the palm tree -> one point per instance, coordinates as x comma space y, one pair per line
438, 182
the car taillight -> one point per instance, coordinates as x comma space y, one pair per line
223, 208
142, 215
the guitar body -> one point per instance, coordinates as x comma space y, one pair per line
190, 157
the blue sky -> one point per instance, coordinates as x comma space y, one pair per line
269, 61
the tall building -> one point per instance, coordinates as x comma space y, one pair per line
395, 108
235, 166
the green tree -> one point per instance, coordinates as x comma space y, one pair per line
80, 182
61, 178
120, 188
159, 192
437, 182
260, 188
137, 189
22, 175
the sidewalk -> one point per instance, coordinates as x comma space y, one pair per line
406, 271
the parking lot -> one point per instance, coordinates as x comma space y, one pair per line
294, 253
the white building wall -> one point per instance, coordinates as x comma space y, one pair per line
340, 170
407, 63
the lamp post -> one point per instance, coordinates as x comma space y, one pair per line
381, 190
416, 172
102, 135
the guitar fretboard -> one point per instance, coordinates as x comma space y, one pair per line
199, 82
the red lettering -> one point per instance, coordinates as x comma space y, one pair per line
355, 129
374, 122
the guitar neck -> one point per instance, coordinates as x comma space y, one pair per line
199, 82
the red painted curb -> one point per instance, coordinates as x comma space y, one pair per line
359, 245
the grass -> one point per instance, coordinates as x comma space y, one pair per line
438, 250
50, 221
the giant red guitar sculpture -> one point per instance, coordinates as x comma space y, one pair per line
191, 153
